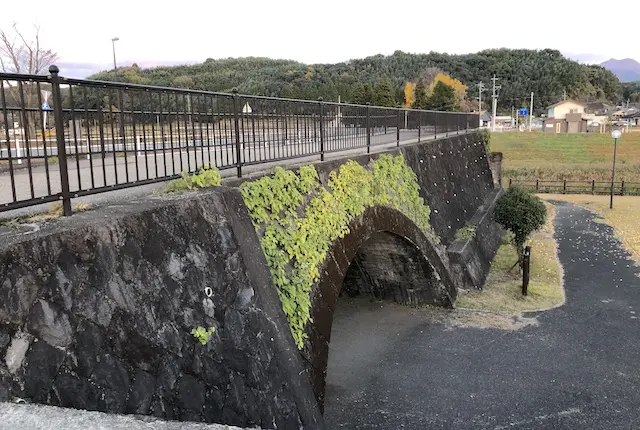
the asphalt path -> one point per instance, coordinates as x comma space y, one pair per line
109, 171
391, 367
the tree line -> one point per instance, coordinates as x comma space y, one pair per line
382, 79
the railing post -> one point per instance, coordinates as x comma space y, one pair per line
537, 185
398, 126
419, 112
564, 187
368, 128
435, 125
236, 126
321, 128
622, 189
457, 125
593, 186
446, 123
62, 152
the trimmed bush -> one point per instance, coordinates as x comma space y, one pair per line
522, 213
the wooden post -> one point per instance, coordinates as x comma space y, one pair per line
526, 262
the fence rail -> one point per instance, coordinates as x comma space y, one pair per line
101, 136
621, 188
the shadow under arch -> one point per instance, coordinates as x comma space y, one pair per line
399, 261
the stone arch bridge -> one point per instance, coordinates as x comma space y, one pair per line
96, 310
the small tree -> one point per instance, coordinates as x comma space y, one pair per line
443, 98
420, 99
383, 94
362, 94
19, 54
409, 89
522, 213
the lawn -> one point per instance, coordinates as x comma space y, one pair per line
624, 217
572, 157
503, 289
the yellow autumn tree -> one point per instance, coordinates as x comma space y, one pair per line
409, 94
459, 88
309, 73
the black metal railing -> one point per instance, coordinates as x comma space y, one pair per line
621, 188
102, 136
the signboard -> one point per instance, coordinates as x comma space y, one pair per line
523, 112
45, 106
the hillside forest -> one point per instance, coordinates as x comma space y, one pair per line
432, 81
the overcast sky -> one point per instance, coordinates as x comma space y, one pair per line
169, 32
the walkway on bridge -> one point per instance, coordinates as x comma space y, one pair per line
383, 142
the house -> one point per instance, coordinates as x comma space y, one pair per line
502, 122
565, 117
597, 108
486, 119
631, 118
596, 123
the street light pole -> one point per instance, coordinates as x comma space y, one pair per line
616, 135
113, 45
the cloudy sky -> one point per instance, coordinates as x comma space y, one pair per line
158, 32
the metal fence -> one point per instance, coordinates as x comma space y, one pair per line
102, 136
621, 188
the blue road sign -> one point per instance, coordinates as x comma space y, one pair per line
45, 106
523, 112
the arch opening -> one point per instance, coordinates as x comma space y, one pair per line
385, 255
389, 267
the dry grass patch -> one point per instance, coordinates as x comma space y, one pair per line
503, 289
471, 318
624, 217
55, 210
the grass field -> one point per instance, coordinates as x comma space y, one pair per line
572, 157
503, 289
624, 217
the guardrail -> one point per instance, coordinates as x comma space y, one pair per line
102, 136
620, 188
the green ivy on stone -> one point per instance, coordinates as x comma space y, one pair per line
298, 219
202, 335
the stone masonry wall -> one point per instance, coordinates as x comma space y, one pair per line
96, 312
453, 173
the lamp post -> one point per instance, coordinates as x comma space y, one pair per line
113, 45
616, 135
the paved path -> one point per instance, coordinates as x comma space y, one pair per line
579, 368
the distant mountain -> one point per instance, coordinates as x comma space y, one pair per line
626, 70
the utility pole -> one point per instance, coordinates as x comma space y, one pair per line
113, 47
531, 113
480, 90
494, 96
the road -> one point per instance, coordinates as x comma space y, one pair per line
574, 367
114, 168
